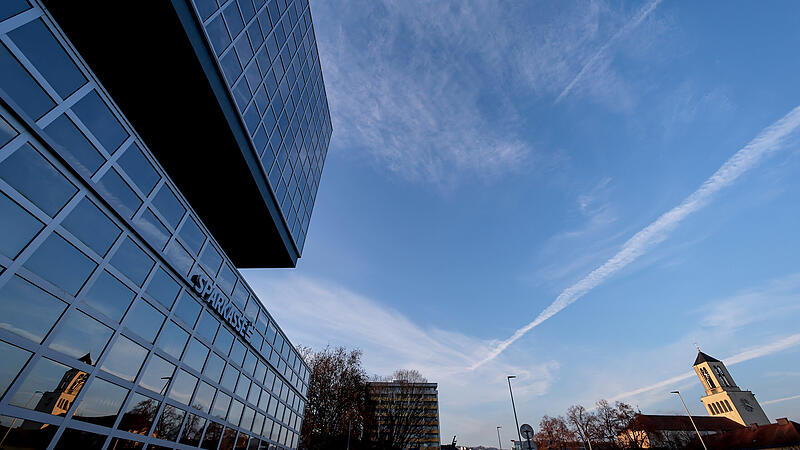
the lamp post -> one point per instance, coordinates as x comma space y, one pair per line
519, 436
499, 442
690, 418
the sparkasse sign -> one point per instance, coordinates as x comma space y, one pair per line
204, 287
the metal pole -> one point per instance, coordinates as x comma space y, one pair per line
519, 436
690, 418
15, 419
499, 442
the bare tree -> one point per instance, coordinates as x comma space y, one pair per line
405, 409
554, 433
584, 424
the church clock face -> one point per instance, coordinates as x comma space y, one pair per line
746, 404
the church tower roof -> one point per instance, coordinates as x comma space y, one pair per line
702, 357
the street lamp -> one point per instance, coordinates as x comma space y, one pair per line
690, 418
499, 442
519, 436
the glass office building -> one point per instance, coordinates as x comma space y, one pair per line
127, 202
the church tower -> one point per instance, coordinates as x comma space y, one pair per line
723, 398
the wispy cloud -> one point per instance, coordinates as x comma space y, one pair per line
779, 400
603, 51
768, 141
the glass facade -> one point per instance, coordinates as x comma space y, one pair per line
106, 340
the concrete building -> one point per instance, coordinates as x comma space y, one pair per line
406, 412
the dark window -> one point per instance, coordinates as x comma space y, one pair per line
33, 435
169, 206
221, 404
132, 261
169, 424
109, 296
195, 355
144, 320
124, 359
118, 193
13, 359
152, 229
81, 337
212, 436
192, 236
188, 309
228, 439
72, 438
7, 132
218, 34
207, 325
74, 145
233, 19
124, 444
44, 385
214, 367
27, 310
60, 263
173, 339
163, 288
11, 8
139, 169
43, 50
139, 414
204, 396
22, 87
91, 226
35, 178
157, 375
101, 403
94, 113
182, 387
206, 8
224, 340
230, 66
18, 226
193, 430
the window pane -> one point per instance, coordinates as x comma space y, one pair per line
226, 279
214, 367
19, 227
211, 259
255, 391
213, 434
72, 438
261, 371
169, 424
169, 206
21, 87
34, 177
32, 435
221, 404
139, 414
75, 147
144, 320
163, 288
124, 444
27, 310
193, 430
132, 261
43, 50
188, 309
250, 363
101, 403
195, 355
81, 337
229, 437
236, 412
179, 257
247, 418
91, 226
118, 193
47, 383
13, 358
202, 400
94, 113
237, 352
124, 359
192, 235
173, 339
152, 229
243, 386
224, 340
109, 296
229, 378
139, 169
60, 263
157, 375
182, 387
207, 325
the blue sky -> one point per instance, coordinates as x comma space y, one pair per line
570, 192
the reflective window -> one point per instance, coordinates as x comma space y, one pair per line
157, 375
144, 320
18, 83
207, 325
212, 436
235, 413
74, 145
13, 359
214, 367
188, 309
7, 132
258, 423
179, 257
91, 226
263, 402
261, 371
169, 206
241, 442
221, 404
60, 263
46, 385
81, 337
32, 435
224, 340
172, 339
228, 439
229, 378
247, 418
27, 310
182, 387
169, 424
204, 396
193, 430
237, 352
192, 236
250, 363
243, 386
124, 359
163, 288
109, 296
132, 261
226, 279
218, 34
34, 177
101, 403
152, 229
72, 438
94, 113
117, 192
43, 50
125, 444
11, 8
139, 414
18, 226
255, 392
211, 259
139, 169
195, 355
206, 8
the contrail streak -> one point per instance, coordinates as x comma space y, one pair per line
768, 141
778, 400
592, 62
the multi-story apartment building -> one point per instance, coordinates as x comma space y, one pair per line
147, 151
406, 413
